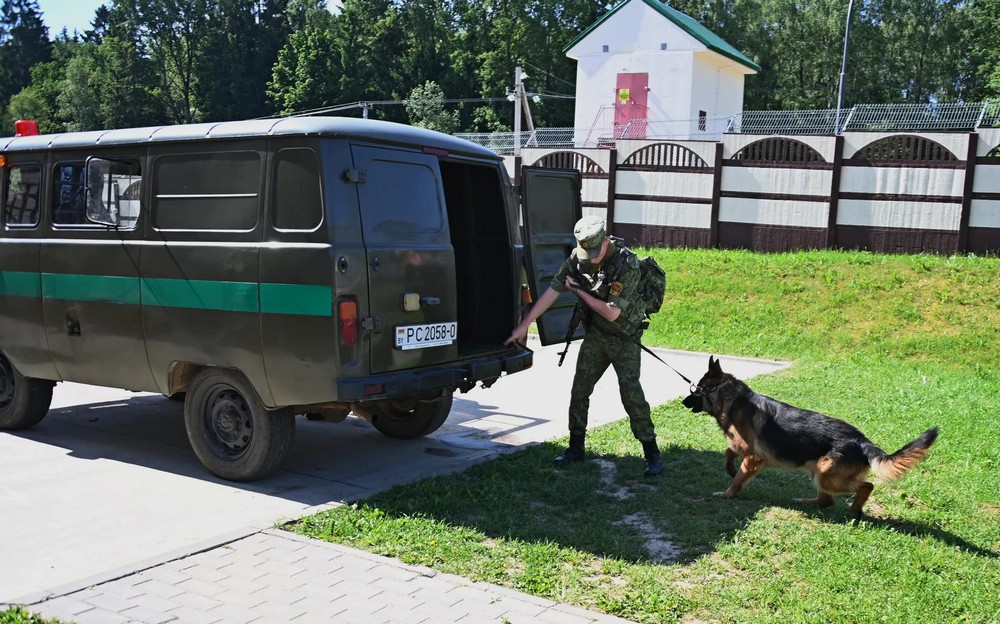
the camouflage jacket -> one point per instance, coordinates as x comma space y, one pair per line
616, 281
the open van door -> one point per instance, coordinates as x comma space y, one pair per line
552, 204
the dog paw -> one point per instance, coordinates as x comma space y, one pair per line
723, 494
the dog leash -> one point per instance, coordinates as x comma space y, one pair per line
650, 351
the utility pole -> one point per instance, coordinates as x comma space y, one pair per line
843, 68
520, 98
519, 76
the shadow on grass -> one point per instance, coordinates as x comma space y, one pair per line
605, 507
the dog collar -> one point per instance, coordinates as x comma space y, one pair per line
702, 392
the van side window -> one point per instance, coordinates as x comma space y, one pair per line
216, 191
69, 197
297, 201
20, 206
114, 191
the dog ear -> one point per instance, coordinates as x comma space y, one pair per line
714, 366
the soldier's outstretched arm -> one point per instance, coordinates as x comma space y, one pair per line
521, 331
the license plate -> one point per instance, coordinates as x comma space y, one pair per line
423, 336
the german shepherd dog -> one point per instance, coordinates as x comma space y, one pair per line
766, 432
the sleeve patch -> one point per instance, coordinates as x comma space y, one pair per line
616, 289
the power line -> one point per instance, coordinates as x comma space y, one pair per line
551, 75
336, 108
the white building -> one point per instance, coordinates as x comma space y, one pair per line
646, 69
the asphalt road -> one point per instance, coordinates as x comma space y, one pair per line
108, 484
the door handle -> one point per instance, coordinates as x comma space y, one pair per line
72, 323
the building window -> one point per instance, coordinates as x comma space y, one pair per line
663, 46
604, 48
702, 120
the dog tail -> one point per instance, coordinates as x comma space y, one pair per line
891, 467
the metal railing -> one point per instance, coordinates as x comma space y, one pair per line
953, 117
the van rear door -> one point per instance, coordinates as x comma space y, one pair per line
413, 310
552, 204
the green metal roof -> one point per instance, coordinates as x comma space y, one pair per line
686, 23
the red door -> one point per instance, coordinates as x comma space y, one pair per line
630, 106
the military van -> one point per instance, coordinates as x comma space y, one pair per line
265, 269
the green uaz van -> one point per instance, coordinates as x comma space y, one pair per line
263, 269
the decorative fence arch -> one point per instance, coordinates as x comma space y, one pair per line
905, 148
571, 160
778, 150
664, 157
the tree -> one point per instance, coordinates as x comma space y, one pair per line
126, 75
236, 57
24, 42
425, 107
923, 51
984, 51
172, 33
501, 34
302, 13
369, 42
38, 100
304, 77
79, 102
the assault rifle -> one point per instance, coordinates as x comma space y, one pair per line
574, 322
579, 313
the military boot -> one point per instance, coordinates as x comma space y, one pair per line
652, 453
575, 451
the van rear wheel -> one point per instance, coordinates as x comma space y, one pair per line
406, 419
231, 431
24, 401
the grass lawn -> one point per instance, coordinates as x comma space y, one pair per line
892, 344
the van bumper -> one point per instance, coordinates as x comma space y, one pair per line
463, 375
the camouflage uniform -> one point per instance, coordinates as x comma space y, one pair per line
615, 281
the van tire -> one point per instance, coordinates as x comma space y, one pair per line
24, 401
231, 431
404, 420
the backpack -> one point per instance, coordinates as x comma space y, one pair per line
652, 285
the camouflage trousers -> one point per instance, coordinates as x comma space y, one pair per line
598, 351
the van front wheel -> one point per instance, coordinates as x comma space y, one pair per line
24, 401
406, 419
231, 431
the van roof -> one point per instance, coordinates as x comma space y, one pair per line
370, 129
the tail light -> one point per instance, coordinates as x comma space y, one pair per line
347, 312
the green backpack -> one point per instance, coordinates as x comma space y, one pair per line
652, 285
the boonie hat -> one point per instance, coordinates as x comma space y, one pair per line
590, 234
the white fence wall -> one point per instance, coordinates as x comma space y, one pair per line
910, 192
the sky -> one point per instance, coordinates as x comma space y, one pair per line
78, 14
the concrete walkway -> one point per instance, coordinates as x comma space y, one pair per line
109, 518
276, 576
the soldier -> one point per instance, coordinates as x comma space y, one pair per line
605, 276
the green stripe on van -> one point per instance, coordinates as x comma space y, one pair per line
201, 294
103, 288
293, 299
296, 299
20, 284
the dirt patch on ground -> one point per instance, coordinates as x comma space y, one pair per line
608, 471
660, 548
